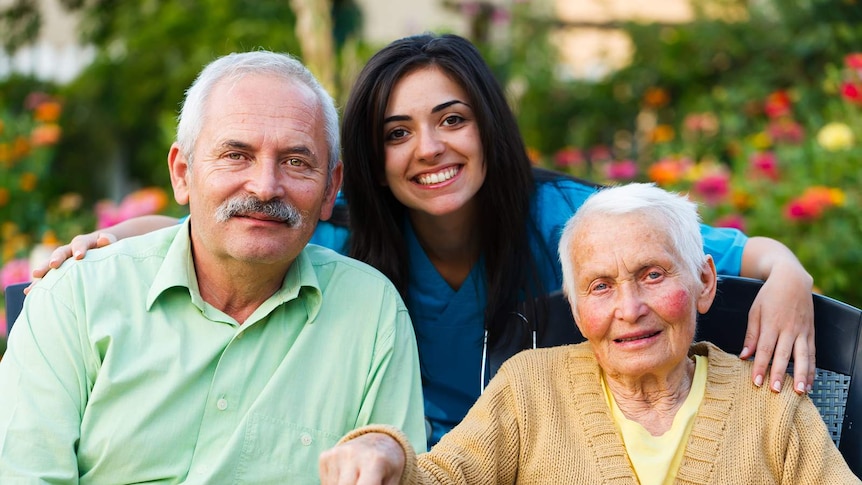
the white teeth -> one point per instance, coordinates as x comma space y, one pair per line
436, 178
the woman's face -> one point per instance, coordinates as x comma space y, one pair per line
636, 302
434, 158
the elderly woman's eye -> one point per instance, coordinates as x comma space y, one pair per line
654, 275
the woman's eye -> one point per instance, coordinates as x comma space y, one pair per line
654, 275
452, 120
396, 134
600, 286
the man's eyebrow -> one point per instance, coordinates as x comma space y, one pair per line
439, 107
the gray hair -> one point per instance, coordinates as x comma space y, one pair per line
673, 213
233, 67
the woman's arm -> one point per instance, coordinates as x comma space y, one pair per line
79, 245
781, 319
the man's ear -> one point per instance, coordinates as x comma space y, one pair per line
332, 191
178, 166
709, 279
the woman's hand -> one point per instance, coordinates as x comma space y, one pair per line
368, 459
77, 248
79, 245
781, 319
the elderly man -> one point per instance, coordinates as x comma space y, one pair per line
221, 350
635, 404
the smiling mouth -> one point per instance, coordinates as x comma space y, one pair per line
632, 339
437, 177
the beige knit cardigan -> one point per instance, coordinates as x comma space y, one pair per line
543, 420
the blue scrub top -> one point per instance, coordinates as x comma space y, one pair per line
449, 324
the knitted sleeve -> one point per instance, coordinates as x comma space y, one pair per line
811, 455
483, 448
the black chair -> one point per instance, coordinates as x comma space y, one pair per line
837, 336
14, 303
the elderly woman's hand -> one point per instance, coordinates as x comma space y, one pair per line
781, 319
368, 459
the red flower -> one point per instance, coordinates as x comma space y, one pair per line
777, 104
854, 60
852, 92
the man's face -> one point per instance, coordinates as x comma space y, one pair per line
262, 142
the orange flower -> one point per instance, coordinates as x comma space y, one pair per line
4, 196
47, 112
47, 134
656, 97
534, 155
20, 148
28, 181
668, 171
662, 134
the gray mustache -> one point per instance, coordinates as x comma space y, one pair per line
243, 206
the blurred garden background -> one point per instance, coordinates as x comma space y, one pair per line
754, 107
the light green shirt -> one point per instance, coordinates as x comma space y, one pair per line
118, 371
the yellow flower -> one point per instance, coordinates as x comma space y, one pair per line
835, 136
761, 140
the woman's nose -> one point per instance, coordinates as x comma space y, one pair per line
629, 304
430, 145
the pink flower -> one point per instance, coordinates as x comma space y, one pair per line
734, 221
713, 187
621, 170
853, 60
15, 271
764, 164
600, 153
568, 157
786, 130
138, 203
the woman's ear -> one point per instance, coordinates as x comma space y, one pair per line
709, 280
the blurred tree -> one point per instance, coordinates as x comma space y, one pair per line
120, 112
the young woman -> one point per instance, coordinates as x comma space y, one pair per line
444, 201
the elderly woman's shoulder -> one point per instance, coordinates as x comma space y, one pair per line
732, 373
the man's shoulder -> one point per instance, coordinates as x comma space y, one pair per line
328, 261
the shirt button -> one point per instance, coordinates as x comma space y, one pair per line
305, 439
221, 404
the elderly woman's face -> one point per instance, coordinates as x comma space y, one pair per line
636, 302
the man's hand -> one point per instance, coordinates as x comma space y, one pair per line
368, 459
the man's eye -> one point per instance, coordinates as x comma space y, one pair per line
294, 162
234, 156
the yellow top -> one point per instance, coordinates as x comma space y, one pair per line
656, 459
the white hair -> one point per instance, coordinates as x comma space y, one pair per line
673, 213
234, 67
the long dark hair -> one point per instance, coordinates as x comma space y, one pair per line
377, 217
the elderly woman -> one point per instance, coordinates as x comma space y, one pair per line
637, 402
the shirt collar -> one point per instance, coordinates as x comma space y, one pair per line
177, 269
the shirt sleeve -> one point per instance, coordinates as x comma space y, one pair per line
725, 245
394, 392
44, 385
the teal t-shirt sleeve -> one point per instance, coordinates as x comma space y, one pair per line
725, 245
331, 236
